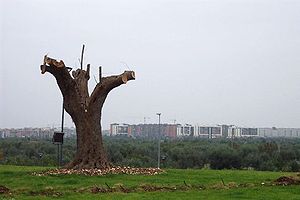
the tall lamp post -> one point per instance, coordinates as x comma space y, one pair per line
58, 139
62, 131
158, 153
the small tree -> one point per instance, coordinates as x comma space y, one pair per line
84, 109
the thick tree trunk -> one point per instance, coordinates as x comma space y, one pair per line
85, 110
90, 153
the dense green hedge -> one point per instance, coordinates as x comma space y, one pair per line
259, 154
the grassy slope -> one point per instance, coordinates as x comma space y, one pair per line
20, 180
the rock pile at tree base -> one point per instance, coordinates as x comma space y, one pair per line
101, 172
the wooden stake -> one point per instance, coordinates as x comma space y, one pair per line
100, 74
81, 61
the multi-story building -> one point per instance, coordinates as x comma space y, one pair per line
208, 131
185, 130
279, 132
144, 130
242, 132
44, 133
120, 129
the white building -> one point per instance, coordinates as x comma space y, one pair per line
208, 131
242, 132
3, 133
119, 129
185, 130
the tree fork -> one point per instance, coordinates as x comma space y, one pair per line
84, 109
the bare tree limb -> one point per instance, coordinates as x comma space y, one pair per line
109, 83
112, 82
64, 80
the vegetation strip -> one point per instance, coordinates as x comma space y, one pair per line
120, 188
262, 154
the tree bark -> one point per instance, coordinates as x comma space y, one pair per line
85, 110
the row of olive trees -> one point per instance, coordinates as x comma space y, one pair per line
258, 154
25, 151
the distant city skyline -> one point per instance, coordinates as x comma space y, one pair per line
166, 130
210, 62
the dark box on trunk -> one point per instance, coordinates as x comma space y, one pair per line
58, 138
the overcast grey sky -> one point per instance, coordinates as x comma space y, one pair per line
206, 62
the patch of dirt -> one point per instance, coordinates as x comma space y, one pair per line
119, 187
81, 190
287, 180
101, 172
232, 185
152, 188
97, 189
49, 192
4, 190
144, 187
218, 186
116, 188
229, 185
246, 185
139, 188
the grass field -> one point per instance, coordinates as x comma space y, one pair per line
173, 184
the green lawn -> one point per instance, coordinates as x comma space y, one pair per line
189, 184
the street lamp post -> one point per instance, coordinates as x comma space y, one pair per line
158, 153
62, 130
58, 139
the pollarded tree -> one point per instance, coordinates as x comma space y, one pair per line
84, 109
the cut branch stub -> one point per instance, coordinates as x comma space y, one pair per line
124, 78
43, 69
82, 74
128, 75
51, 65
53, 62
132, 74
